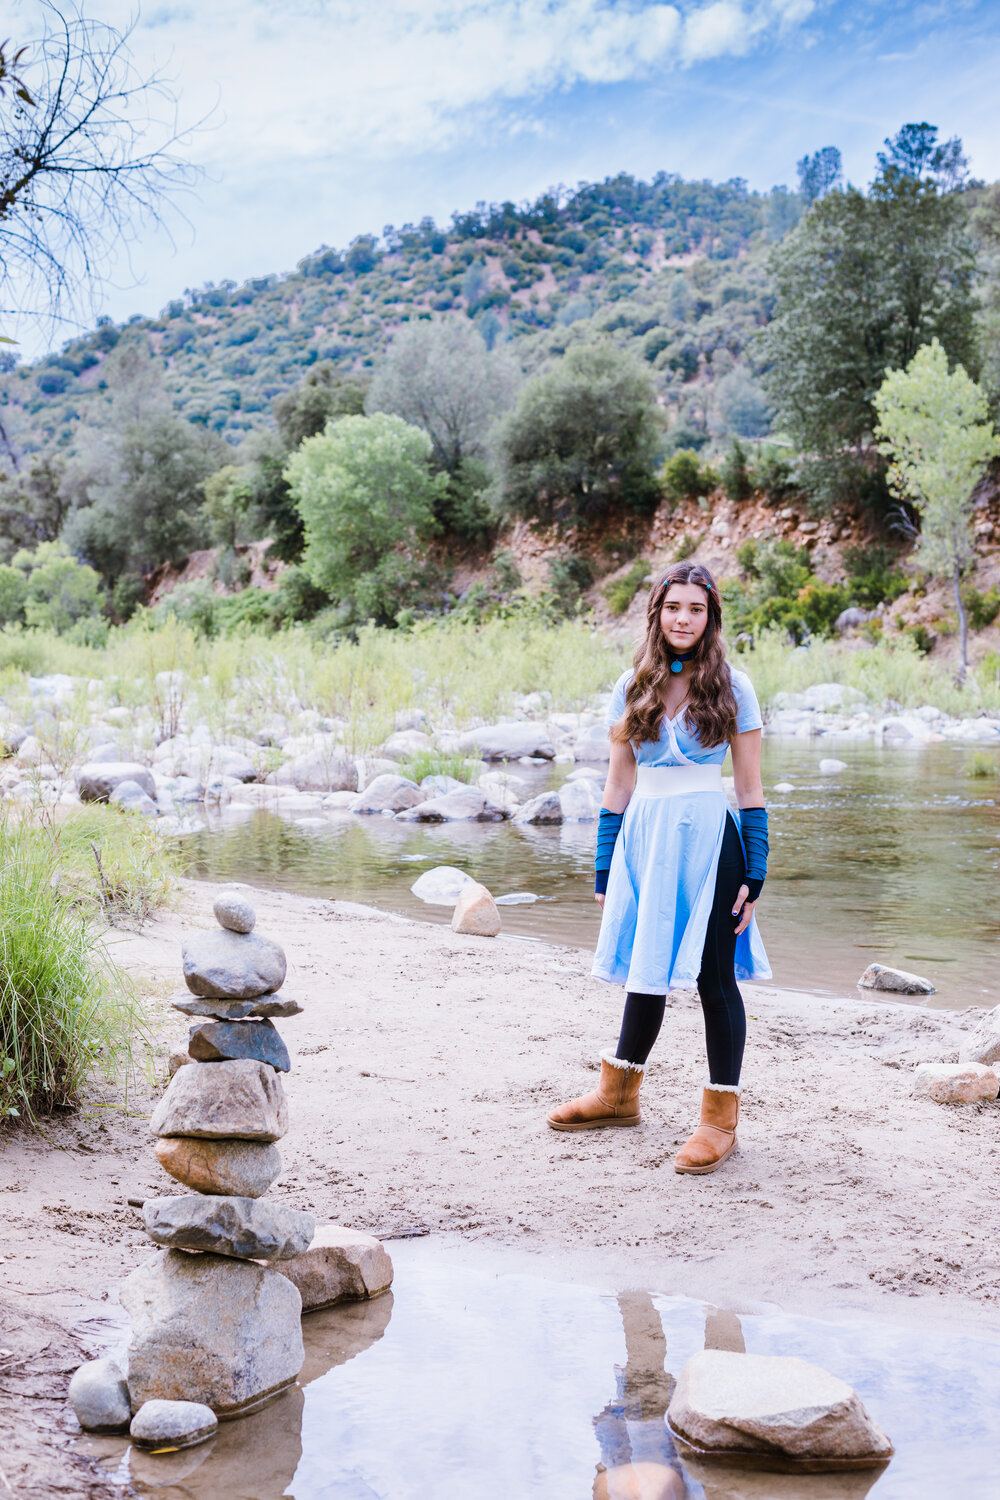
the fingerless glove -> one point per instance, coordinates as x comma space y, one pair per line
753, 827
608, 826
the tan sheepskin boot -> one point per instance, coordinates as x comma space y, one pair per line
615, 1101
715, 1136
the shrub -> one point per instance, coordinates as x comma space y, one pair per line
568, 577
982, 766
773, 473
439, 763
64, 1009
982, 609
921, 637
684, 478
871, 576
621, 591
112, 863
735, 474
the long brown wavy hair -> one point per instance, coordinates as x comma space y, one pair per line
711, 702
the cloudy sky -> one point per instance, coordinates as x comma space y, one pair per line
330, 118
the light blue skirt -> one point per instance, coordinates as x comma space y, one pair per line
661, 885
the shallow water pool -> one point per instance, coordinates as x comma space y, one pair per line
893, 860
469, 1382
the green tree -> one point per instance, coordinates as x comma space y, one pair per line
13, 595
320, 397
860, 285
581, 441
60, 591
934, 427
366, 495
819, 174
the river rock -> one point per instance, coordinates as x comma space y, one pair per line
896, 981
98, 1394
437, 786
234, 912
955, 1083
475, 912
212, 1329
179, 1058
406, 744
643, 1480
318, 771
580, 801
727, 1403
130, 796
242, 1169
545, 808
221, 1041
232, 965
341, 1265
983, 1045
247, 1228
830, 767
216, 1101
265, 1007
470, 805
389, 793
97, 780
592, 744
508, 742
441, 886
172, 1424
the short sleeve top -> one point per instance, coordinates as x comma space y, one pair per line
661, 752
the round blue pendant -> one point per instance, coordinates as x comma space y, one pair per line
676, 666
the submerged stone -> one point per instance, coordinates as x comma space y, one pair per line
172, 1424
211, 1329
241, 1169
773, 1406
98, 1394
216, 1101
247, 1228
232, 965
224, 1041
340, 1265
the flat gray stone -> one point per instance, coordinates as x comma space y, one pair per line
508, 741
241, 1169
727, 1403
97, 780
469, 805
218, 1101
340, 1265
247, 1228
896, 981
212, 1329
232, 965
222, 1041
234, 912
98, 1394
172, 1424
237, 1010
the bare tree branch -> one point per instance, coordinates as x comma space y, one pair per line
88, 156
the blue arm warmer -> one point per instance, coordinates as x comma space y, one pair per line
608, 825
753, 826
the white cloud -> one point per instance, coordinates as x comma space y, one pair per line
307, 80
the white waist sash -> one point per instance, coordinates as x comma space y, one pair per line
676, 781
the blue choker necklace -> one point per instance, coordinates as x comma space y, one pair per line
677, 665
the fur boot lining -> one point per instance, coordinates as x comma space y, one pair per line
723, 1088
622, 1064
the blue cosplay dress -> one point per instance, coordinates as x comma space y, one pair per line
661, 885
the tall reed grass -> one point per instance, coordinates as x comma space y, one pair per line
65, 1010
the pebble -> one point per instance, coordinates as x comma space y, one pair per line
170, 1425
234, 912
98, 1394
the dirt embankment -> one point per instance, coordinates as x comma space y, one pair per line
424, 1063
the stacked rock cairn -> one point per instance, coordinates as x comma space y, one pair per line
216, 1328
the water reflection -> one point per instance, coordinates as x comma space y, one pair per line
891, 860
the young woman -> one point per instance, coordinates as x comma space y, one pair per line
678, 876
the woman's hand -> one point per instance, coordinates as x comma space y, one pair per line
748, 909
599, 898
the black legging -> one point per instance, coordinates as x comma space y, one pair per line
721, 1001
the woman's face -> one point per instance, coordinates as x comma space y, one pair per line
684, 616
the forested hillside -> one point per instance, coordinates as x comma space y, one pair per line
669, 269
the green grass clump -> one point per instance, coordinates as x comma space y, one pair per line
982, 766
114, 863
621, 591
439, 763
65, 1011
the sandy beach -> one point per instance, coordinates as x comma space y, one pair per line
423, 1066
